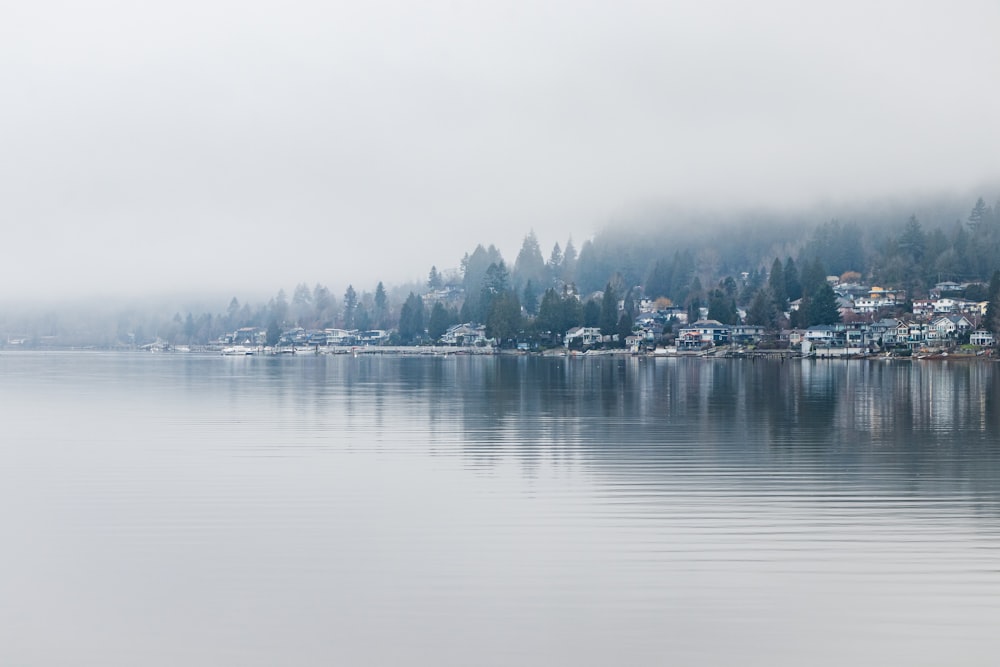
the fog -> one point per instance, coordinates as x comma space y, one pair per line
238, 148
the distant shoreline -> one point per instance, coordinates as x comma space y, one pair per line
447, 351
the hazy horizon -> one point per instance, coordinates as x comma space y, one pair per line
239, 148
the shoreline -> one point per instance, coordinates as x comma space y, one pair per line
446, 351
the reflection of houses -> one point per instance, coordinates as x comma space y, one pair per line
582, 336
467, 334
703, 333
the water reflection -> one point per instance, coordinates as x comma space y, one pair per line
497, 510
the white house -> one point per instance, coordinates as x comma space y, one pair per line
949, 325
585, 335
981, 338
467, 335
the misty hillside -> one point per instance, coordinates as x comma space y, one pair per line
686, 257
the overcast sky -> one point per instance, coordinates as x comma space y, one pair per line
247, 146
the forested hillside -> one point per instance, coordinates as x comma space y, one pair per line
755, 262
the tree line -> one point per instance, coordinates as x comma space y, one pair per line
758, 268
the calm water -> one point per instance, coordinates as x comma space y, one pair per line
203, 510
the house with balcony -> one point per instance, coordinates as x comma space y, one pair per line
583, 337
948, 326
703, 333
982, 338
468, 334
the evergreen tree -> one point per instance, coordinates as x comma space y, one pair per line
623, 329
979, 215
550, 313
474, 270
658, 282
530, 299
411, 319
555, 263
381, 306
609, 312
694, 310
301, 295
495, 282
793, 288
683, 283
350, 304
722, 307
280, 308
569, 262
434, 279
529, 265
232, 314
823, 307
992, 322
762, 312
591, 314
754, 281
362, 318
777, 287
439, 322
728, 285
504, 319
273, 332
912, 242
813, 277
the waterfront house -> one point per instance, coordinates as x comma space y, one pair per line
949, 326
793, 337
583, 336
981, 338
467, 335
373, 337
825, 334
746, 334
883, 332
705, 332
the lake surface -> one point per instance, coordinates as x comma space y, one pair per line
208, 510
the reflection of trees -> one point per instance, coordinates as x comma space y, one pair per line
880, 424
885, 427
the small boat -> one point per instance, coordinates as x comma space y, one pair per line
237, 351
